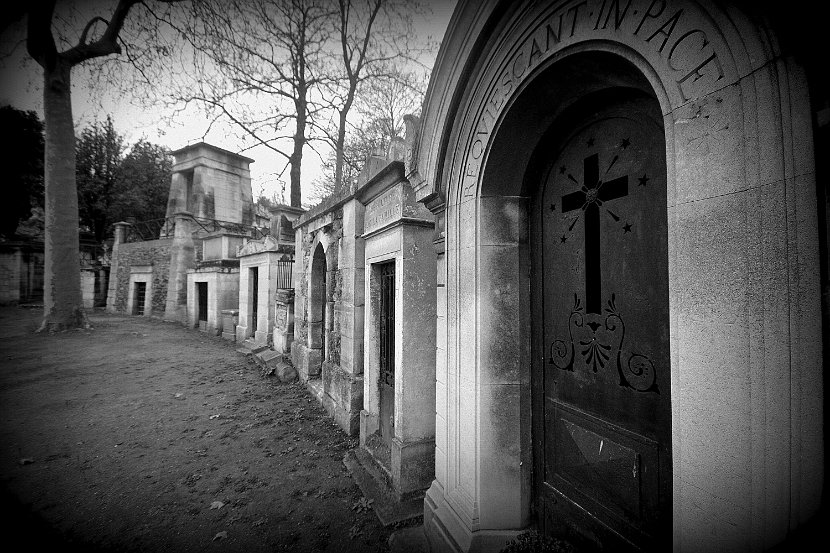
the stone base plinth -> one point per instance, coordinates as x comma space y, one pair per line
241, 333
345, 392
446, 531
230, 318
412, 466
306, 360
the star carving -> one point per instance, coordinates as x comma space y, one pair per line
626, 228
591, 141
625, 143
643, 180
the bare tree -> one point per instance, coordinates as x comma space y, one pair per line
62, 286
380, 109
374, 36
258, 64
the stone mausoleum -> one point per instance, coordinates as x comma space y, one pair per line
630, 273
185, 267
583, 297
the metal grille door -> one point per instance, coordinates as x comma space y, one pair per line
254, 297
140, 293
386, 336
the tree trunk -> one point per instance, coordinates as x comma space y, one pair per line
62, 301
296, 159
339, 153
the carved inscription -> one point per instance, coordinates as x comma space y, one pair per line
661, 28
384, 209
281, 317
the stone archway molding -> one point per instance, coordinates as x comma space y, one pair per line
743, 247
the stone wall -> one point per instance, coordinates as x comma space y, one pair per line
336, 380
21, 272
155, 253
335, 280
9, 277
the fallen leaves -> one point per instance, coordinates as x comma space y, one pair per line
362, 505
220, 536
216, 505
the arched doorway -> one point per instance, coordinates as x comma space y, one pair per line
580, 154
599, 254
317, 305
745, 455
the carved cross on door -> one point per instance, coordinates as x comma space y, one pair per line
592, 194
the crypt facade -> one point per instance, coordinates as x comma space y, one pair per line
630, 260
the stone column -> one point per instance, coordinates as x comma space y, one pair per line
413, 447
120, 238
182, 258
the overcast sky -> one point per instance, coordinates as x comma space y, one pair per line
20, 87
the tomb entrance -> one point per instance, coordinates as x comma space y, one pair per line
598, 236
397, 423
317, 307
629, 351
386, 347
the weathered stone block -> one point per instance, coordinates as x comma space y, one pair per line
412, 466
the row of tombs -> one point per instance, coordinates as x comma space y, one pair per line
587, 294
345, 291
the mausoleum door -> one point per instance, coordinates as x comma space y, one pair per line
254, 298
602, 434
386, 335
202, 298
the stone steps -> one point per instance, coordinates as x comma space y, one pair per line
249, 347
276, 364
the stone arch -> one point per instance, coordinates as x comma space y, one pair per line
318, 300
734, 111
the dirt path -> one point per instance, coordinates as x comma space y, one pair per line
140, 435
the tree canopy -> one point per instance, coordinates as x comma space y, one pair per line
114, 185
288, 73
22, 162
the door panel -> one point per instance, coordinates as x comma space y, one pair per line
601, 274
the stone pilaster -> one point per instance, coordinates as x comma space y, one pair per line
182, 258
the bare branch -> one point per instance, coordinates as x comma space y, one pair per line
89, 25
108, 43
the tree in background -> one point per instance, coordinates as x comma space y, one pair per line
374, 38
114, 185
142, 183
288, 73
380, 109
22, 162
98, 155
258, 64
58, 46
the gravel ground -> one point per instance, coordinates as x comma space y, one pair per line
141, 435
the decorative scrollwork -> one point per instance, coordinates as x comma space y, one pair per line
562, 352
598, 348
561, 355
641, 375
